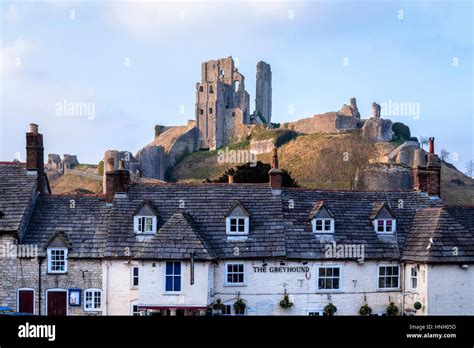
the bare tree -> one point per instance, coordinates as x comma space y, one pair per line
423, 141
444, 154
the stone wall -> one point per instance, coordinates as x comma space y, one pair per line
385, 176
17, 273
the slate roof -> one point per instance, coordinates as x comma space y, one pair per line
191, 220
436, 236
178, 238
207, 205
84, 225
351, 210
17, 192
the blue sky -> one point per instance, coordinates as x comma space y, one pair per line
407, 52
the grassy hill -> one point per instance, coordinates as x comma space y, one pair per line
306, 157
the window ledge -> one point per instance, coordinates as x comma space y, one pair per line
172, 293
234, 285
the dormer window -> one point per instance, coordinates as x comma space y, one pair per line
385, 225
145, 219
57, 248
323, 226
383, 219
237, 222
322, 220
145, 224
57, 260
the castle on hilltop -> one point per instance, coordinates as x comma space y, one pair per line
222, 103
222, 116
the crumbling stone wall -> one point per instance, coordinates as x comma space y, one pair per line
222, 88
263, 92
385, 176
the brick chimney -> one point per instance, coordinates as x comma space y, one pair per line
427, 171
276, 174
116, 181
35, 157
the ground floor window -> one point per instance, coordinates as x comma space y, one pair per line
93, 300
389, 277
328, 278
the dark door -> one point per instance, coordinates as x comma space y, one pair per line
26, 301
57, 304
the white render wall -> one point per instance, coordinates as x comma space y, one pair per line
118, 290
450, 290
263, 291
152, 285
420, 294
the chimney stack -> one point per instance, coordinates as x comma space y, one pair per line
35, 156
276, 174
431, 143
116, 180
231, 178
427, 171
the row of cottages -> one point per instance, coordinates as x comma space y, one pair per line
230, 249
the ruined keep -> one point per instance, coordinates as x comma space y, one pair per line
263, 93
222, 103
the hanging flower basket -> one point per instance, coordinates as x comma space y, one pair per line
239, 306
392, 309
417, 305
218, 306
365, 310
330, 309
286, 303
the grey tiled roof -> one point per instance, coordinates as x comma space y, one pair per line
17, 192
83, 220
436, 236
351, 210
206, 205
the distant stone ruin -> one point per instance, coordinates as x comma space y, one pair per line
55, 163
222, 103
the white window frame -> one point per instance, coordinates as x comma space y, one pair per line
413, 278
378, 277
226, 265
324, 223
232, 310
332, 277
50, 261
138, 221
394, 226
232, 234
93, 309
18, 298
181, 283
132, 277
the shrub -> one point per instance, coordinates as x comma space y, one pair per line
286, 303
392, 309
330, 309
365, 310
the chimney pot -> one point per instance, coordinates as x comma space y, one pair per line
35, 156
231, 178
33, 128
276, 174
431, 142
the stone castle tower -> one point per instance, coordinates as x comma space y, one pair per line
263, 97
222, 103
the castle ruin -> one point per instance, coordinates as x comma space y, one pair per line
222, 103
